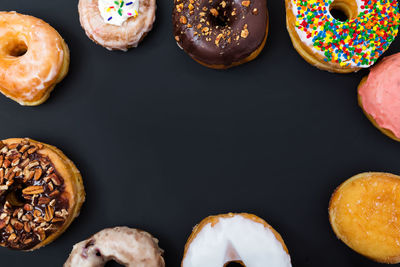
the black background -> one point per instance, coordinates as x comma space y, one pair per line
163, 142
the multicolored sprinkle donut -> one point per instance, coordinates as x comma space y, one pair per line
342, 46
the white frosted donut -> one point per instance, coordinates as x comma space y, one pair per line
117, 24
243, 238
129, 247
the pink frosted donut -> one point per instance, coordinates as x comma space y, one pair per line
379, 96
129, 247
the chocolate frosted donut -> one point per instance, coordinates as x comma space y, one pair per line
221, 33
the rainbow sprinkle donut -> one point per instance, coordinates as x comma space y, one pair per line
344, 46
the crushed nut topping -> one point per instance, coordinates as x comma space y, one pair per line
213, 20
30, 204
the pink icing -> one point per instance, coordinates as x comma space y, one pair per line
380, 94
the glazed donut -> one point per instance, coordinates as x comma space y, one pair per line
129, 247
33, 58
221, 34
379, 96
342, 46
241, 238
41, 193
117, 25
363, 212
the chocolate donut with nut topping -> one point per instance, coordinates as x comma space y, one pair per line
41, 193
221, 33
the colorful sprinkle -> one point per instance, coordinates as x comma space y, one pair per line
359, 41
115, 11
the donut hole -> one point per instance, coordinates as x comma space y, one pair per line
220, 21
14, 197
339, 15
17, 49
343, 10
112, 264
234, 264
221, 16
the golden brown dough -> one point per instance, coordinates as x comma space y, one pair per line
363, 212
41, 193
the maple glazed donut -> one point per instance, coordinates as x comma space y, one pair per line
41, 193
379, 96
242, 238
117, 24
363, 212
127, 246
221, 33
33, 58
342, 46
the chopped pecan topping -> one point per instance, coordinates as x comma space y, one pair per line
28, 219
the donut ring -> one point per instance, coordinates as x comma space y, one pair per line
363, 214
221, 34
129, 247
113, 37
33, 58
242, 238
378, 95
342, 46
41, 193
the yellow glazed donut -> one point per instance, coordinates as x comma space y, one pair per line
33, 58
363, 212
242, 238
342, 46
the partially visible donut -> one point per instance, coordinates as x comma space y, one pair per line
379, 96
41, 193
221, 34
129, 247
242, 238
363, 212
342, 46
117, 25
33, 58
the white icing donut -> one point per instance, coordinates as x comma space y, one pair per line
243, 238
129, 247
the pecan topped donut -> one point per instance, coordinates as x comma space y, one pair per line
221, 33
41, 192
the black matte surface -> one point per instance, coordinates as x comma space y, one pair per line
163, 142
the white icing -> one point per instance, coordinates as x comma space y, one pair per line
308, 41
116, 12
236, 239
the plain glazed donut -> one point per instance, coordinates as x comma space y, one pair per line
41, 193
342, 46
221, 33
117, 27
363, 212
242, 238
129, 247
33, 58
379, 96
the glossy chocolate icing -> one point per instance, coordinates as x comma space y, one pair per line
220, 32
